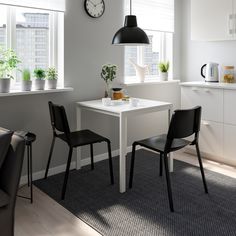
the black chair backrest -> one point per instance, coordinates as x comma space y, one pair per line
59, 120
184, 123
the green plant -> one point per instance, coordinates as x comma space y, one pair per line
51, 73
39, 73
8, 62
164, 66
26, 75
108, 73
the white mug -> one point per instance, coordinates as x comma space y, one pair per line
106, 101
133, 102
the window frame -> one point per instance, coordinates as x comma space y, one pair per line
140, 59
56, 40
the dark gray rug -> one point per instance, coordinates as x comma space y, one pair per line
144, 209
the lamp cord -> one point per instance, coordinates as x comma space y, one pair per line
130, 7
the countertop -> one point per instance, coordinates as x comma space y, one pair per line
209, 85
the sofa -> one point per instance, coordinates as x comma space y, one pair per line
10, 172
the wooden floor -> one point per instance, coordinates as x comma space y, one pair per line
45, 217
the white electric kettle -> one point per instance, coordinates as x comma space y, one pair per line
211, 72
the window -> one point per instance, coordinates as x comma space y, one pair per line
3, 23
160, 34
36, 35
32, 39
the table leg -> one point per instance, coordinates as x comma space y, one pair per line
79, 121
123, 151
171, 161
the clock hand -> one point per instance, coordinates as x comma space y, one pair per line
92, 3
98, 3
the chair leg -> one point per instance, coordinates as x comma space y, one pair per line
132, 166
66, 174
168, 183
110, 162
161, 165
92, 159
28, 165
201, 168
49, 158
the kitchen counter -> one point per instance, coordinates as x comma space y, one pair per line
209, 85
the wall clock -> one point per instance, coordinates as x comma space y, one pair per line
94, 8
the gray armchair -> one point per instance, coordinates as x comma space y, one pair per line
10, 173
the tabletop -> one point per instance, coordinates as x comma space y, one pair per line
125, 107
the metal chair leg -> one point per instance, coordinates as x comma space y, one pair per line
28, 165
31, 174
201, 167
168, 183
49, 158
132, 166
66, 174
161, 165
110, 162
91, 154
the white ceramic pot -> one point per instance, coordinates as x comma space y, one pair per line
39, 84
26, 85
164, 76
52, 83
5, 85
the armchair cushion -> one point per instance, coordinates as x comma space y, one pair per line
4, 199
5, 140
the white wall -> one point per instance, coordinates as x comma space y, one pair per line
195, 54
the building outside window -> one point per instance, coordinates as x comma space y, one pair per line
32, 39
3, 22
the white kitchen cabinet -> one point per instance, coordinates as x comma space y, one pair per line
230, 107
218, 127
213, 20
211, 138
195, 96
229, 142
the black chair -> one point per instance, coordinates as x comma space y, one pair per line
74, 139
184, 123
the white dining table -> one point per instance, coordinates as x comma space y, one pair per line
123, 111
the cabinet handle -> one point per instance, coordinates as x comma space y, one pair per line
205, 123
194, 89
230, 24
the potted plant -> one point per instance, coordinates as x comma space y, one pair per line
39, 75
51, 76
8, 63
26, 84
108, 74
164, 68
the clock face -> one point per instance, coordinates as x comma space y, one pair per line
94, 8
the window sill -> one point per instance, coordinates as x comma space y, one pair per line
128, 84
19, 92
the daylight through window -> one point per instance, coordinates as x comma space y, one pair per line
159, 29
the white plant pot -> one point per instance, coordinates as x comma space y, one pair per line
164, 76
52, 84
26, 85
39, 84
5, 85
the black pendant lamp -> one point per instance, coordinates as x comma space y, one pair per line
130, 34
